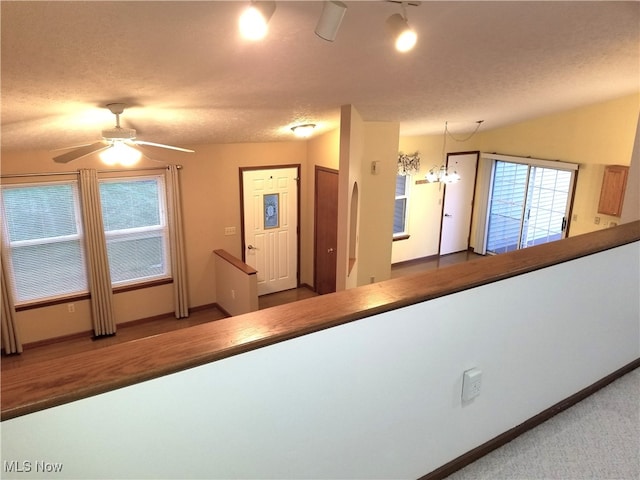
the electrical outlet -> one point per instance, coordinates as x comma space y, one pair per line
471, 382
233, 294
597, 221
71, 307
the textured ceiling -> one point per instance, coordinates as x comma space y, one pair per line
189, 79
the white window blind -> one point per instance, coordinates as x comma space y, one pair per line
507, 206
43, 233
529, 203
135, 224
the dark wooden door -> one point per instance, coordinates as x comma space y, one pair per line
326, 230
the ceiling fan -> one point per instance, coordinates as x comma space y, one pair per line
115, 137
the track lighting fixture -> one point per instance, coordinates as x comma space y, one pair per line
332, 14
255, 19
403, 35
303, 131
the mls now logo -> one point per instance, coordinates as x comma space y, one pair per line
26, 466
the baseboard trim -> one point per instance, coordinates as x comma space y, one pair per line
306, 285
504, 438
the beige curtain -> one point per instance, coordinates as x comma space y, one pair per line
176, 234
10, 338
97, 261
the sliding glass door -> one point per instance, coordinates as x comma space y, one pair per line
529, 205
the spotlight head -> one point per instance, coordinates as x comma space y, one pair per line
404, 37
255, 19
332, 14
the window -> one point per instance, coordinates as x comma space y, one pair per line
400, 211
43, 233
135, 225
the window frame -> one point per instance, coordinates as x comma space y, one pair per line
22, 304
404, 234
142, 232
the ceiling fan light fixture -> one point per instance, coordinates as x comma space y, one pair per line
120, 153
330, 19
255, 19
303, 131
119, 133
117, 144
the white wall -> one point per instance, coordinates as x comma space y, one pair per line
376, 398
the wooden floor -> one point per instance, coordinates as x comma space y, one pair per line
431, 263
127, 333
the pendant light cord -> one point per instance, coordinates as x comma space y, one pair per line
447, 132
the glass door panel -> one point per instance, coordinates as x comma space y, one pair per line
529, 206
507, 206
547, 199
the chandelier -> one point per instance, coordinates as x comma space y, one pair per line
441, 173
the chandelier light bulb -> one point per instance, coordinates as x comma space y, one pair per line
431, 176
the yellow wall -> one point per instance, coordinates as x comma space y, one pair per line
425, 201
376, 201
631, 205
365, 200
352, 142
592, 136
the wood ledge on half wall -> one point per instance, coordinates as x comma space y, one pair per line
43, 385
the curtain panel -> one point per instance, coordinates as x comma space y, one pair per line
176, 238
10, 337
97, 261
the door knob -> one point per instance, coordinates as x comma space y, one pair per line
330, 250
251, 247
448, 215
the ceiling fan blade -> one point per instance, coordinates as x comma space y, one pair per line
69, 147
80, 152
151, 144
144, 152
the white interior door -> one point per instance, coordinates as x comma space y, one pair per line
270, 202
458, 204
